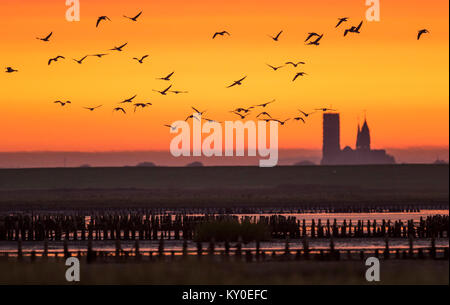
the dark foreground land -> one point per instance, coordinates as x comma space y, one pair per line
198, 272
422, 186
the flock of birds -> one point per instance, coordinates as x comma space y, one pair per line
312, 39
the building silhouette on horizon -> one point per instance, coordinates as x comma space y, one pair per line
332, 154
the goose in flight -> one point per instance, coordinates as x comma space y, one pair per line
245, 110
274, 68
299, 119
92, 108
311, 35
276, 37
80, 61
421, 32
10, 70
173, 128
119, 48
128, 100
46, 38
340, 20
220, 34
197, 111
135, 17
62, 103
243, 116
100, 55
265, 104
55, 59
237, 83
325, 109
295, 64
316, 42
306, 114
120, 109
178, 91
192, 116
211, 121
299, 74
101, 18
264, 113
353, 29
141, 60
281, 122
142, 105
167, 77
163, 92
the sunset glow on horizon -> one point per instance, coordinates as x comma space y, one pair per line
384, 73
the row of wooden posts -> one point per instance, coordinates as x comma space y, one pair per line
148, 226
237, 252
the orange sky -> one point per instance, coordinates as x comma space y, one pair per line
400, 82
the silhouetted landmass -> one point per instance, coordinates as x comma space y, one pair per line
308, 186
305, 163
195, 164
146, 164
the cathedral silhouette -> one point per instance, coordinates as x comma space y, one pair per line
362, 154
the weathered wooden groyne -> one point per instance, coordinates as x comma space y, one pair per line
146, 226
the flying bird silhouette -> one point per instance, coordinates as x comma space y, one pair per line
325, 109
264, 113
340, 20
276, 37
306, 114
192, 116
80, 61
237, 83
142, 105
220, 34
128, 100
119, 48
299, 74
178, 91
299, 119
10, 70
55, 59
245, 110
46, 38
421, 32
167, 77
265, 104
141, 60
241, 115
210, 120
173, 128
281, 122
100, 55
311, 35
119, 109
92, 108
274, 68
354, 29
316, 41
101, 18
197, 111
163, 92
62, 103
295, 64
135, 17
